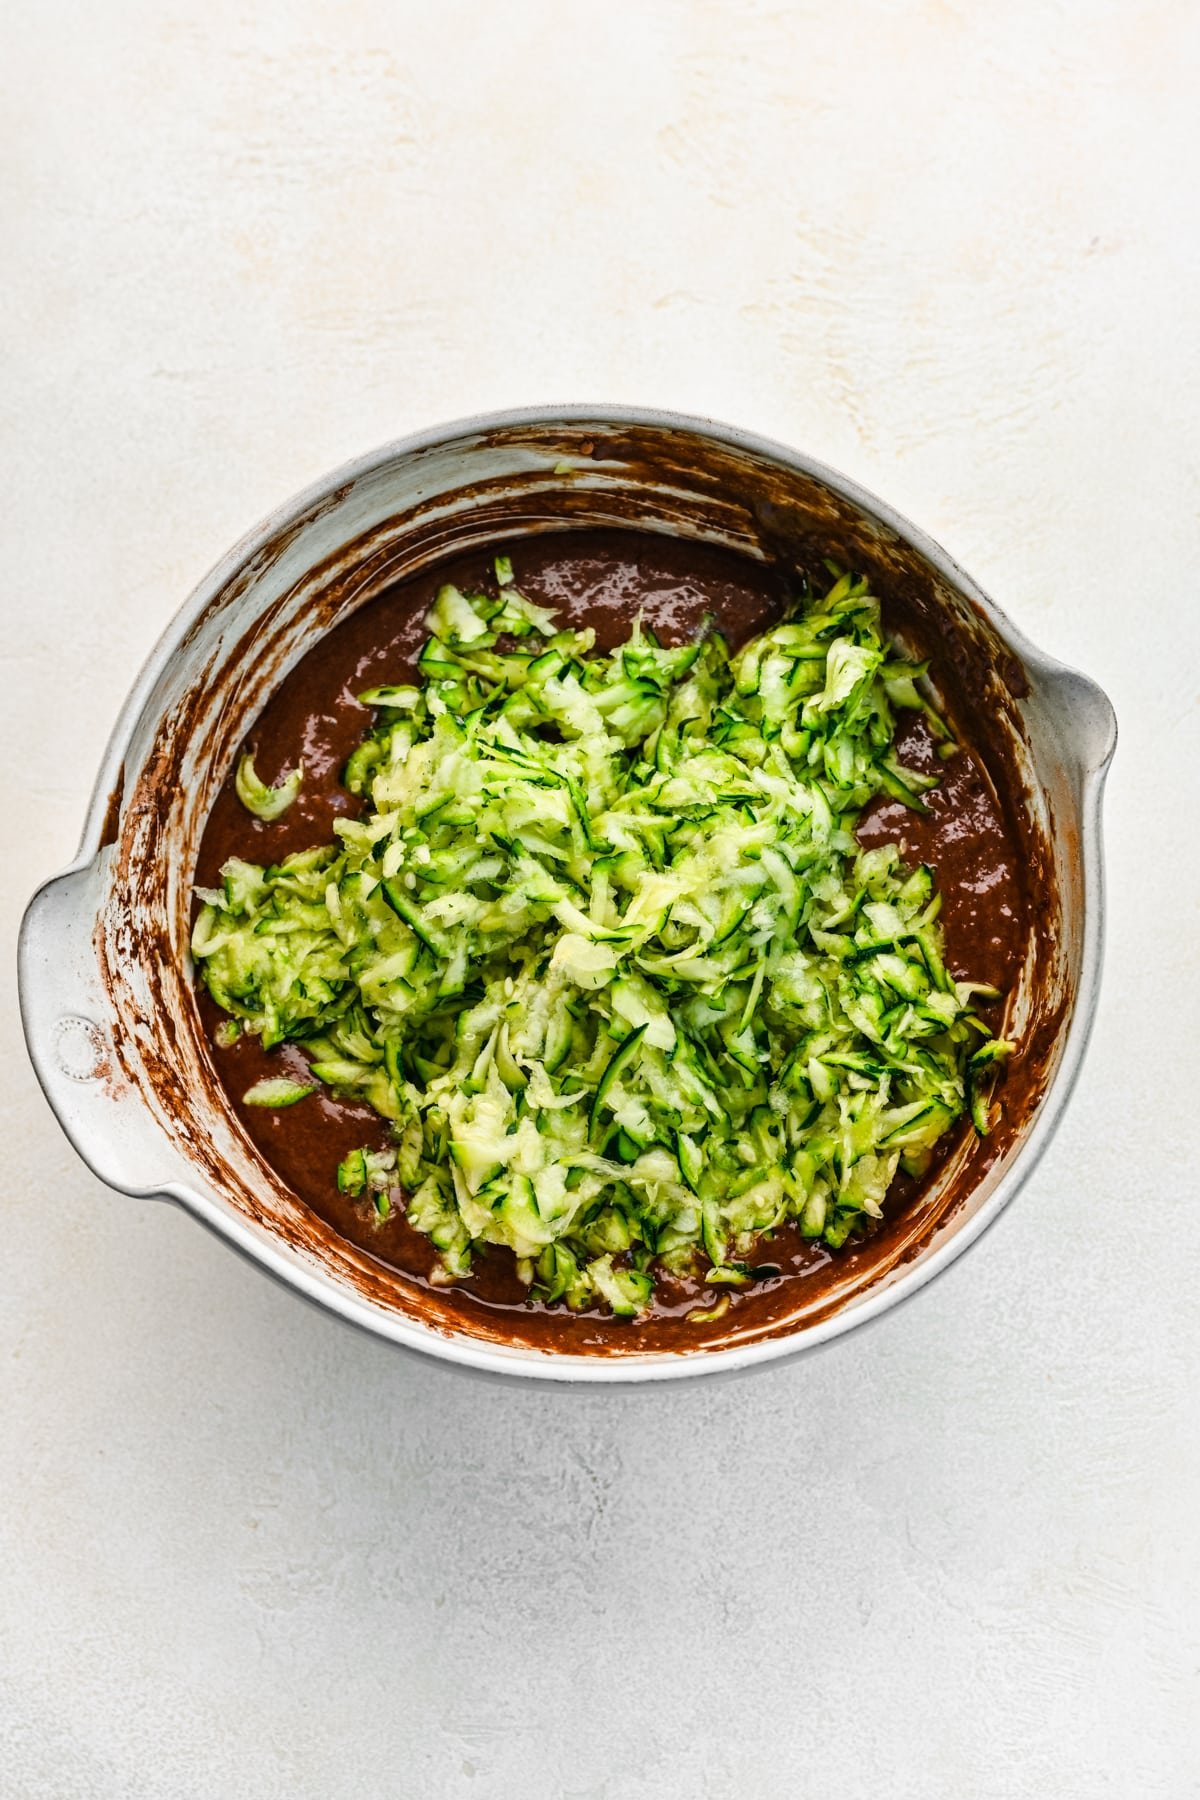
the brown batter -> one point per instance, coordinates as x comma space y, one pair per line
602, 579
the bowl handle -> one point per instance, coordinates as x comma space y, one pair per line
70, 1024
1086, 720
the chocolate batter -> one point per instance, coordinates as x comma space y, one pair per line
602, 579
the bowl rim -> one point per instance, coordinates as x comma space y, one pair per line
480, 1354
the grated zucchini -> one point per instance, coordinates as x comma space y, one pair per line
263, 801
276, 1091
603, 947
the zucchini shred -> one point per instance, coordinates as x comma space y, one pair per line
604, 949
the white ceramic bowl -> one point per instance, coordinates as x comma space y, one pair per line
105, 982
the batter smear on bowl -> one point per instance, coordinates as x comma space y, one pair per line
610, 926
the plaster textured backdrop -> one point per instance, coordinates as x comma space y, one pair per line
949, 247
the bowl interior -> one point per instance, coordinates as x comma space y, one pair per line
392, 515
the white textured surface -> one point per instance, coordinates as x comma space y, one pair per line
950, 248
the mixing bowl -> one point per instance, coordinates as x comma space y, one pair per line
106, 986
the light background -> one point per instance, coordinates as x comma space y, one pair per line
950, 248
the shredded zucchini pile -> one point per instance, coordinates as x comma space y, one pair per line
603, 946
